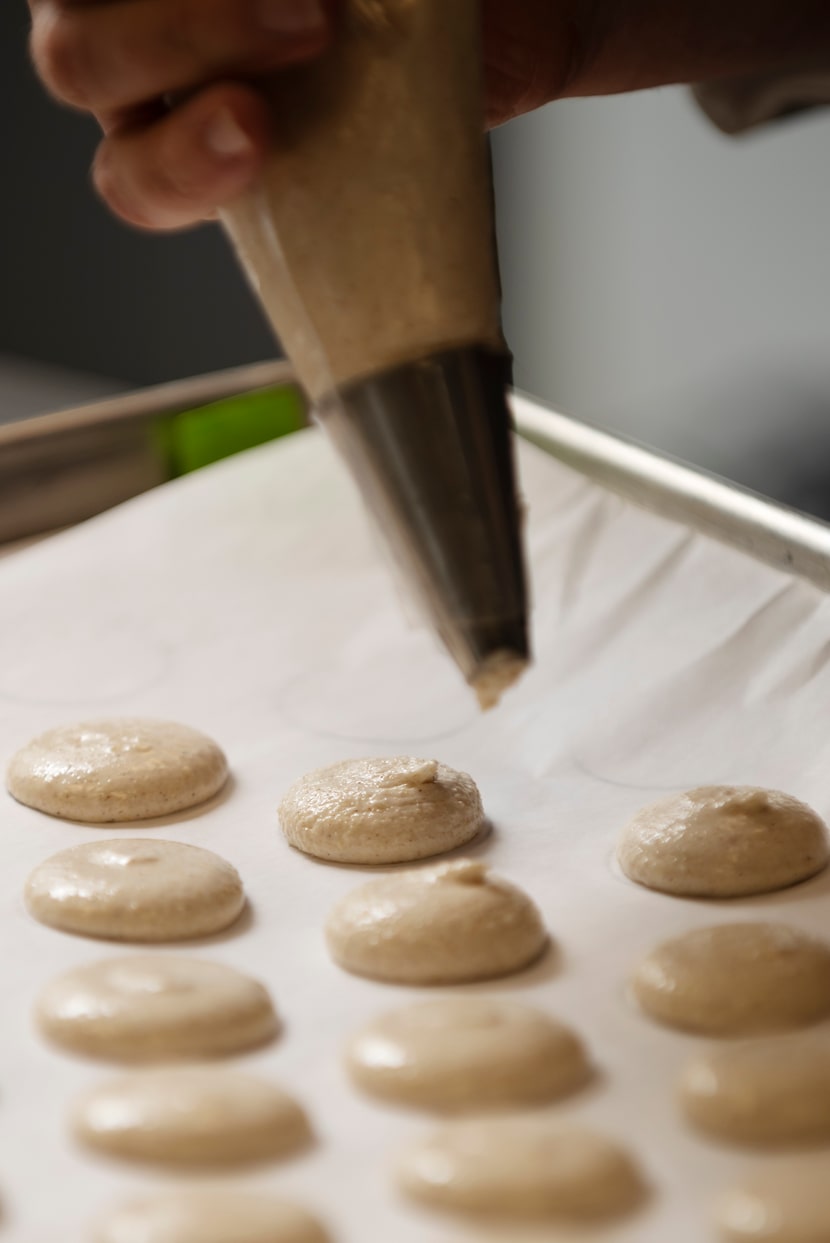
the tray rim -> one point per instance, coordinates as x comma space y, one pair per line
781, 537
758, 526
157, 400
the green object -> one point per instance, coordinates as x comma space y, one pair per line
195, 438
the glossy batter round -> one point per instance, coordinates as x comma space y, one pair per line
769, 1092
467, 1054
446, 924
209, 1217
724, 842
135, 889
154, 1008
521, 1168
736, 979
191, 1115
788, 1202
381, 811
123, 769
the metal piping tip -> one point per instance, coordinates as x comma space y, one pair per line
430, 446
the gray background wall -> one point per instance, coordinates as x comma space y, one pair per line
673, 283
82, 291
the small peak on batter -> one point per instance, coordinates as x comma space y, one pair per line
461, 872
123, 854
405, 771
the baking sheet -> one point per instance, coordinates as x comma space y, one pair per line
250, 601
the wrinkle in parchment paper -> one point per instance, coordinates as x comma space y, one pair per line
662, 660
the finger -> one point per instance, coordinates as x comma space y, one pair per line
179, 170
528, 50
108, 56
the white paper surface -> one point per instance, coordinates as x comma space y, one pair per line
249, 601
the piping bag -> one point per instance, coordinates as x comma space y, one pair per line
370, 241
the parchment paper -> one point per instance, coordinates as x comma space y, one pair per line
249, 601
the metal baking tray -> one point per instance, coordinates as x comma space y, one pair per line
663, 661
58, 469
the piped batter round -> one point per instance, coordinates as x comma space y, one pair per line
446, 924
191, 1115
155, 1007
209, 1217
135, 889
724, 842
467, 1054
124, 769
736, 979
767, 1093
382, 810
785, 1203
521, 1168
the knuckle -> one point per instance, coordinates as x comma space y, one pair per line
166, 178
107, 183
175, 34
146, 178
58, 55
183, 29
211, 32
111, 185
163, 195
167, 190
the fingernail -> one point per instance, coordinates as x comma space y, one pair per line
292, 17
225, 137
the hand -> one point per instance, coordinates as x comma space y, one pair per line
162, 169
536, 51
158, 169
118, 59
